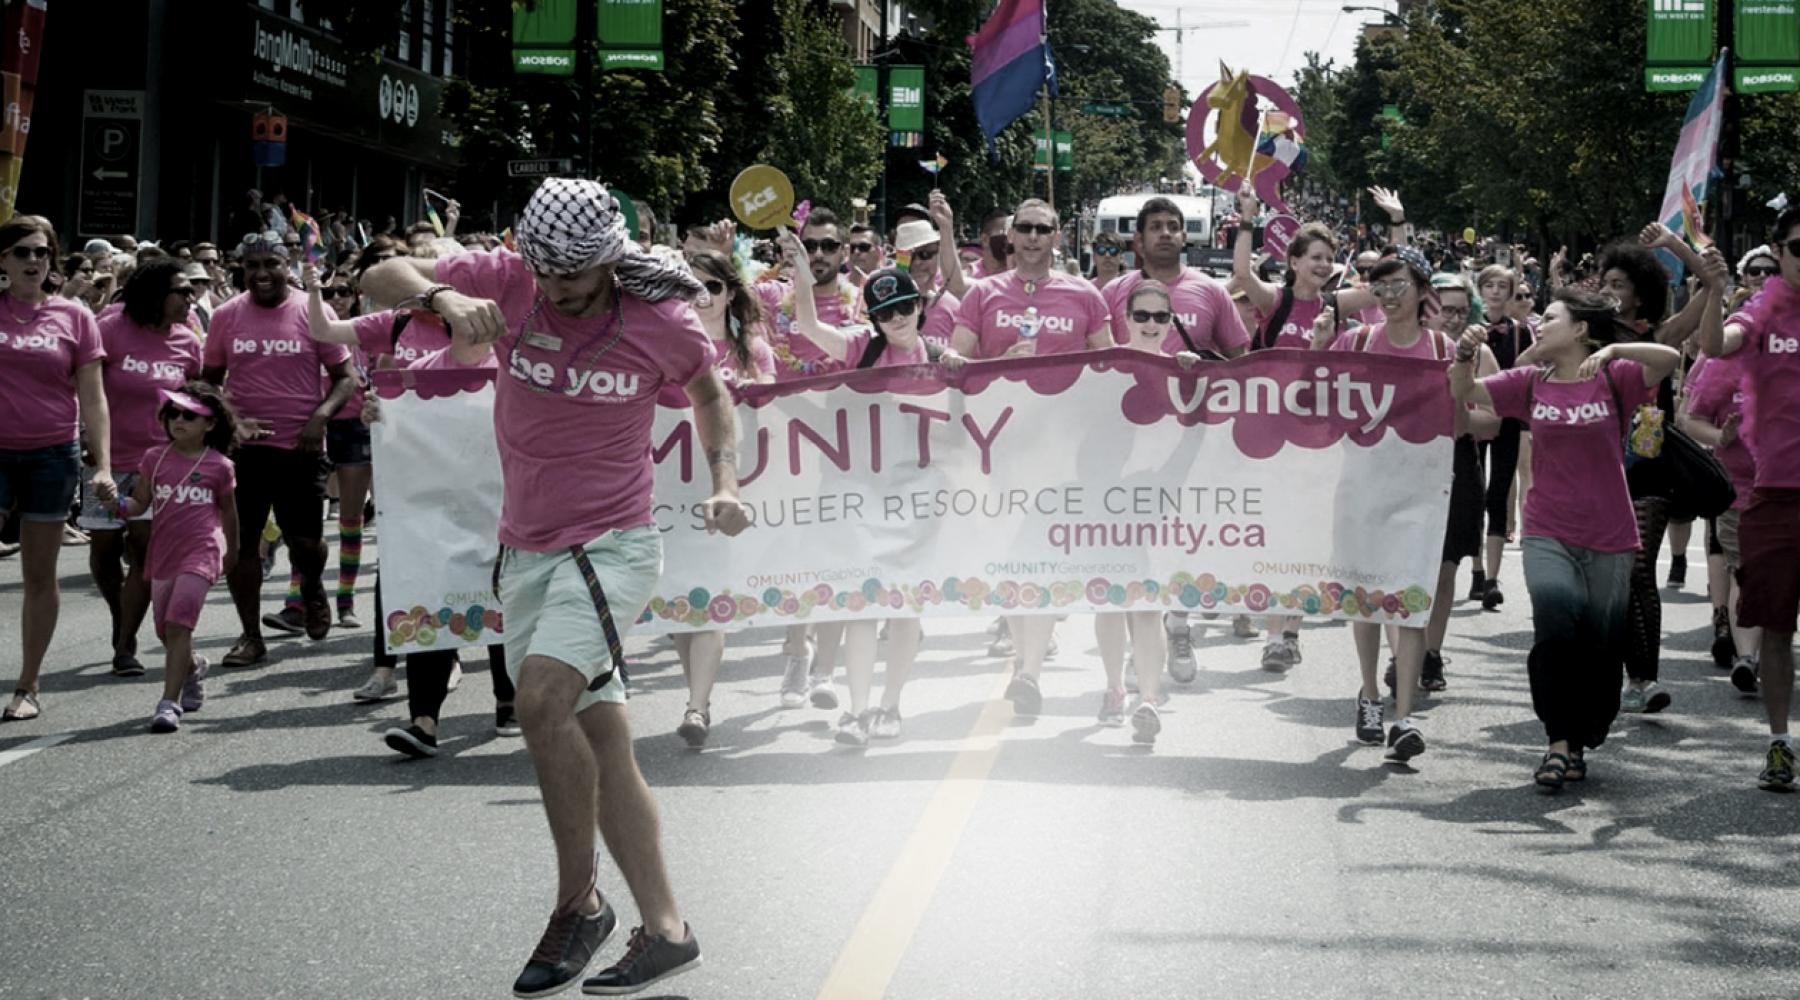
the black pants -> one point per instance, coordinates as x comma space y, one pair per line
290, 482
1502, 455
1643, 630
428, 674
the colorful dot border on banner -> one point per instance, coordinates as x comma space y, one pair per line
420, 628
1183, 592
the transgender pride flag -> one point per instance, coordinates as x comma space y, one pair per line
1693, 168
1011, 61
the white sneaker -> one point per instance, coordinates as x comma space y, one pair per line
455, 676
822, 694
377, 689
793, 679
1146, 722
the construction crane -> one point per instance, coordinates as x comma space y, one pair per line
1180, 29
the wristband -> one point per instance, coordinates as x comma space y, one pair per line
427, 297
124, 511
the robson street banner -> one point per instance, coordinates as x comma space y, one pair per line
1283, 482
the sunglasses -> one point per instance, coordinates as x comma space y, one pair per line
1521, 296
1146, 316
713, 287
269, 236
1793, 247
822, 246
186, 292
171, 413
1108, 251
1034, 228
925, 253
861, 247
30, 253
1390, 289
336, 292
896, 310
1454, 310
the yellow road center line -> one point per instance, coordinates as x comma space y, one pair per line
884, 933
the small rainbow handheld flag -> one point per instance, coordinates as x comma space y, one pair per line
436, 222
311, 239
934, 166
1690, 220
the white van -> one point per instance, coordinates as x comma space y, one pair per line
1119, 213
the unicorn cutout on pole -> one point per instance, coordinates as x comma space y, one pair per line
1248, 147
1235, 144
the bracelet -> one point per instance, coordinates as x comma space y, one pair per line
430, 294
124, 511
1464, 355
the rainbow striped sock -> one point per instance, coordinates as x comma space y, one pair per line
349, 561
294, 600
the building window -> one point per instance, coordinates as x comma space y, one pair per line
449, 38
427, 30
404, 50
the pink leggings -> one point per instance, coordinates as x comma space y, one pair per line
178, 601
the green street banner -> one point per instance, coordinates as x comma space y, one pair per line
1766, 79
1106, 481
630, 33
1065, 151
1674, 79
867, 84
906, 99
543, 37
1679, 32
1768, 32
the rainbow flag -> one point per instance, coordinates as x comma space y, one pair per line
436, 223
312, 241
506, 240
934, 166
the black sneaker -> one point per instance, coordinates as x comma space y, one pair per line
412, 741
506, 721
1404, 743
289, 621
1678, 571
565, 950
1023, 692
1493, 598
648, 959
316, 615
1778, 771
1431, 676
1723, 648
1368, 721
1478, 587
1391, 677
1743, 674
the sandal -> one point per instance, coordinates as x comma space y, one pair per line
126, 665
246, 652
25, 699
1552, 772
1577, 767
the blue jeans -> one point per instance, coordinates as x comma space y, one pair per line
1578, 612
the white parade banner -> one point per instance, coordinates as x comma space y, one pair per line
1285, 482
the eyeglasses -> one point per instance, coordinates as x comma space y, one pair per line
30, 253
171, 413
822, 246
1146, 316
861, 247
1758, 272
1102, 251
896, 310
1390, 289
713, 287
1454, 310
1034, 228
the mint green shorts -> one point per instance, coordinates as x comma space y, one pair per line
550, 613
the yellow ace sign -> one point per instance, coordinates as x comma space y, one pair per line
762, 197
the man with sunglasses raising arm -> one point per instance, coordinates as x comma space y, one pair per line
1031, 309
839, 301
1767, 328
286, 388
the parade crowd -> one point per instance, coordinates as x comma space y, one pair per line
185, 410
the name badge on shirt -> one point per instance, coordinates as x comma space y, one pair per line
545, 341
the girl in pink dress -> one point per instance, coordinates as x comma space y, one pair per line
188, 487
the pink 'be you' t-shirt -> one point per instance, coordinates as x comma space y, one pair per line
274, 371
39, 351
1200, 302
140, 363
572, 415
186, 532
1578, 492
998, 310
1771, 325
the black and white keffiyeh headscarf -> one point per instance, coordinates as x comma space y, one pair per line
571, 225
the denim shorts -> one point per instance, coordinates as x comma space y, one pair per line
41, 482
347, 442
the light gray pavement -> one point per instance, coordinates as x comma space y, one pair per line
274, 848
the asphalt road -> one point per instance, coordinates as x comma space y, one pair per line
274, 848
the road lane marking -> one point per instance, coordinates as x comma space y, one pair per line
884, 933
25, 750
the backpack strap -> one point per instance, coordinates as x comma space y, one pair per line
1618, 405
401, 318
1271, 330
876, 347
1181, 328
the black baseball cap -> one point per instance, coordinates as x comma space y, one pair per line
889, 286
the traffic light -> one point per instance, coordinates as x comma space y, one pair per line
1172, 104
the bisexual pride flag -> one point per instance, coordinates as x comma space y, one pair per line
1011, 61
